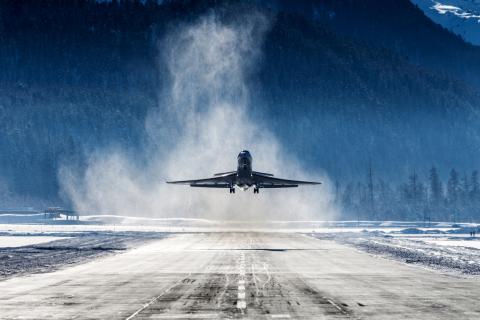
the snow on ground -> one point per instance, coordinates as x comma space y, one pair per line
66, 249
452, 250
474, 243
20, 241
112, 223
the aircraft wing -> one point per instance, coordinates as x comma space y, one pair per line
224, 181
263, 181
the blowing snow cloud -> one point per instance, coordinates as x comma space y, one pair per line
201, 124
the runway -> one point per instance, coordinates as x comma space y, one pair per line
241, 276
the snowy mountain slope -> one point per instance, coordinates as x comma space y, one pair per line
459, 16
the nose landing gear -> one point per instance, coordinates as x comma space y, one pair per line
256, 190
232, 190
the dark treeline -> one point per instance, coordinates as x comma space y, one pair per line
422, 196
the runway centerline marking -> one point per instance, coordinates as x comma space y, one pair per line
241, 303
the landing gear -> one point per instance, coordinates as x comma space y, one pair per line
232, 190
256, 190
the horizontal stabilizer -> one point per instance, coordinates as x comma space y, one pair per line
263, 174
224, 173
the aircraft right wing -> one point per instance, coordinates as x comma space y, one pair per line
264, 181
223, 181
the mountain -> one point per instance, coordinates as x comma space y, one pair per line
462, 17
399, 26
341, 83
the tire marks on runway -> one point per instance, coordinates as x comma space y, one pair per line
241, 304
288, 296
244, 284
198, 296
155, 299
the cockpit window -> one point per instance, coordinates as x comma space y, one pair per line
245, 153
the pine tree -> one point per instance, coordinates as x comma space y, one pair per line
412, 190
464, 191
453, 186
415, 196
436, 189
337, 192
453, 191
347, 196
385, 201
474, 189
370, 193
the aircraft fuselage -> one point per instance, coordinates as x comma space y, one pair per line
244, 170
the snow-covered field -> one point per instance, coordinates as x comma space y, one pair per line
35, 252
20, 241
447, 249
114, 223
456, 243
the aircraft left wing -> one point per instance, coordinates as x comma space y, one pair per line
224, 181
263, 181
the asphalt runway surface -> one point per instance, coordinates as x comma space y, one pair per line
241, 276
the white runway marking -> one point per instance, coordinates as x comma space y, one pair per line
281, 316
155, 299
334, 304
241, 303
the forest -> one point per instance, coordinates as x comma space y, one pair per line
421, 197
78, 76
